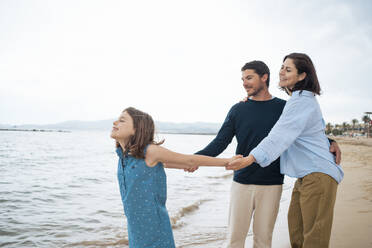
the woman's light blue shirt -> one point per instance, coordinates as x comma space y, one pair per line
299, 139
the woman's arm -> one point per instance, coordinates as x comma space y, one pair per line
157, 153
286, 130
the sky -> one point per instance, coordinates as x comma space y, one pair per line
179, 61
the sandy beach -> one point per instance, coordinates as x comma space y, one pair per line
352, 225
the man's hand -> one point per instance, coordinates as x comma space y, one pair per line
335, 149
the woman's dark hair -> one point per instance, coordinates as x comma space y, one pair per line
259, 67
303, 63
144, 127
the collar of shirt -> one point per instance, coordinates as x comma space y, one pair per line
303, 93
119, 152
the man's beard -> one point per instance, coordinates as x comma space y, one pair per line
255, 92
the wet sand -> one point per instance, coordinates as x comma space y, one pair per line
352, 225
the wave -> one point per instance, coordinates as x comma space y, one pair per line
210, 239
175, 220
223, 176
95, 243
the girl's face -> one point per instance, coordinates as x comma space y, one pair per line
288, 74
122, 128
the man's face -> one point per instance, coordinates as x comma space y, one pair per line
252, 82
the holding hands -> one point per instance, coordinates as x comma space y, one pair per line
240, 162
228, 161
234, 158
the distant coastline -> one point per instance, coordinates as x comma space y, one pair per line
69, 131
33, 130
195, 128
188, 133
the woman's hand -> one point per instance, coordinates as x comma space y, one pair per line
240, 163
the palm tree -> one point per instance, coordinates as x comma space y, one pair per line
354, 121
329, 128
366, 121
344, 126
348, 126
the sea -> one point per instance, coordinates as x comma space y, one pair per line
60, 189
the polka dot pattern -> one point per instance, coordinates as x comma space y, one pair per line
143, 192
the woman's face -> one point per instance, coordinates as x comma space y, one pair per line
288, 74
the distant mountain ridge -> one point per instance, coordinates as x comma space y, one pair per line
163, 127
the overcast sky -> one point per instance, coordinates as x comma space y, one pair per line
177, 60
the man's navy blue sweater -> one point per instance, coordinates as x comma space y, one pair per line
250, 122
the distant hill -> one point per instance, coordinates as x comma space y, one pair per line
162, 127
196, 127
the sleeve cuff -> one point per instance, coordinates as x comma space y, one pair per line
260, 156
331, 140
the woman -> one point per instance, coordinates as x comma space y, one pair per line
299, 139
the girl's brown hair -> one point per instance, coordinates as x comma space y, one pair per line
144, 131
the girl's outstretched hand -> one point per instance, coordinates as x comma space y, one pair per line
240, 163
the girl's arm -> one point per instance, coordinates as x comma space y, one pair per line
179, 166
157, 153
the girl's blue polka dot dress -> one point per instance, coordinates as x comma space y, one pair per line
143, 191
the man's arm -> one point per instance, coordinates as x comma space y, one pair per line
219, 143
223, 138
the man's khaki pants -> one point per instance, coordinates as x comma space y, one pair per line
261, 201
310, 213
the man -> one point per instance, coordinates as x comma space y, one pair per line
255, 191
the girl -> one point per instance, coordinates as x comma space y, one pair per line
299, 139
142, 179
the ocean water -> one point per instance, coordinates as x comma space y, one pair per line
60, 190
